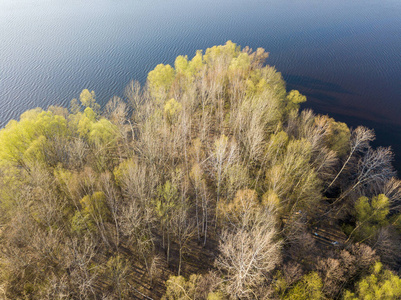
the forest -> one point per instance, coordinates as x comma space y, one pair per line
208, 182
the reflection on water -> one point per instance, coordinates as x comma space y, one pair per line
314, 84
344, 55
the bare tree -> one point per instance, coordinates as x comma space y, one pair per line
79, 264
223, 157
116, 111
134, 94
315, 129
114, 203
360, 139
248, 252
392, 190
183, 228
337, 270
135, 223
374, 169
388, 245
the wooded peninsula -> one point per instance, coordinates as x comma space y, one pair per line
208, 182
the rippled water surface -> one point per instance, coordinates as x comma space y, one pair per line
344, 55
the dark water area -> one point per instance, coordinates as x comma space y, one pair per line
344, 55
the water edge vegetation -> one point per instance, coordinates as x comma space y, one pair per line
207, 183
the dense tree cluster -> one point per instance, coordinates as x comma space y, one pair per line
207, 183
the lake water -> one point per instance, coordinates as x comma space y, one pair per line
344, 55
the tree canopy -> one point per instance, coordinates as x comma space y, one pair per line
208, 182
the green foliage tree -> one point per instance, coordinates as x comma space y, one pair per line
370, 215
339, 137
28, 139
88, 99
165, 205
215, 141
172, 108
160, 80
294, 98
94, 212
180, 288
380, 284
196, 287
308, 288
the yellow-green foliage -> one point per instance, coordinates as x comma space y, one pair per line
88, 100
270, 198
179, 288
32, 138
224, 53
167, 200
94, 210
256, 84
96, 206
339, 137
35, 150
84, 121
160, 80
103, 132
196, 64
241, 63
216, 296
82, 222
309, 288
295, 97
381, 284
122, 170
171, 109
244, 201
280, 284
11, 183
371, 215
117, 269
215, 149
188, 69
100, 132
182, 66
292, 177
27, 139
263, 80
